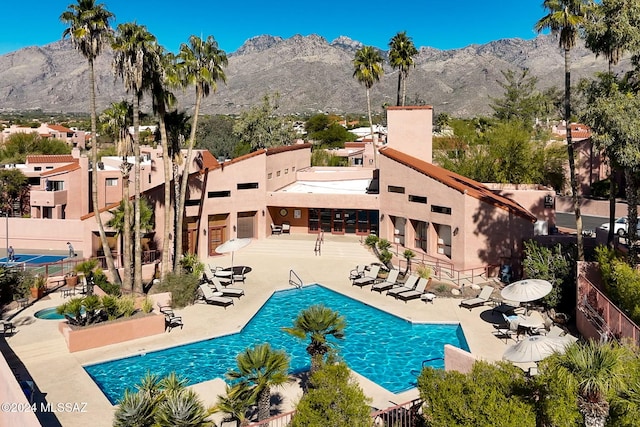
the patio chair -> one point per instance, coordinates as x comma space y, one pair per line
276, 229
209, 277
172, 321
422, 285
505, 307
8, 327
388, 283
239, 277
478, 301
510, 326
286, 227
211, 297
357, 272
226, 292
409, 285
368, 278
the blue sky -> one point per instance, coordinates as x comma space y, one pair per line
443, 24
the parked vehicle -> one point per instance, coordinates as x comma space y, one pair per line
620, 226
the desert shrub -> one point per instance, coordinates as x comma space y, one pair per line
441, 288
371, 240
385, 257
554, 265
147, 305
384, 244
183, 288
126, 306
423, 271
491, 394
191, 264
14, 284
319, 406
110, 306
108, 287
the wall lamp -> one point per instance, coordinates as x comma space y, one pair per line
455, 231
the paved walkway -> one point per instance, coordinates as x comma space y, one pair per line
60, 377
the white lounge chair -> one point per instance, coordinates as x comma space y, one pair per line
276, 229
409, 285
357, 272
210, 298
368, 278
239, 276
388, 283
417, 292
220, 281
480, 300
226, 292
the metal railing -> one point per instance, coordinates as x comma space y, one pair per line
406, 414
319, 240
295, 280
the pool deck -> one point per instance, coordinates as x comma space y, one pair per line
60, 378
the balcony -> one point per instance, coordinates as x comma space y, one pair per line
48, 198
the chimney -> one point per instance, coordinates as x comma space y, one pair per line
409, 129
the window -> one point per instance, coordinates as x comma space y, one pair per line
48, 167
269, 175
247, 185
395, 189
192, 202
55, 185
417, 199
278, 173
37, 168
293, 169
215, 194
111, 182
286, 171
441, 209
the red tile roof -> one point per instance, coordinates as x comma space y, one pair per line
60, 128
457, 182
50, 158
62, 169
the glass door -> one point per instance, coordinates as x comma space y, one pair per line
325, 220
350, 222
338, 221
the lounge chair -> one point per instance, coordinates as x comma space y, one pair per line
286, 227
357, 272
505, 307
388, 283
276, 229
172, 321
409, 285
478, 301
226, 292
220, 281
368, 278
510, 326
209, 297
8, 327
417, 292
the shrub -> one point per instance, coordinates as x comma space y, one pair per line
423, 271
384, 244
191, 264
14, 284
147, 305
108, 287
371, 240
183, 288
126, 306
110, 306
555, 265
385, 257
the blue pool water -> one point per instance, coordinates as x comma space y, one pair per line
48, 314
384, 348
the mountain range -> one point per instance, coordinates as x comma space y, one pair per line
310, 74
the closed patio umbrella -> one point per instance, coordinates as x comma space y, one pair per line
232, 245
535, 348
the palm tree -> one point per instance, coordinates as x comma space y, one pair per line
163, 64
131, 45
318, 323
88, 28
122, 216
596, 371
401, 53
259, 369
368, 70
565, 19
116, 120
201, 64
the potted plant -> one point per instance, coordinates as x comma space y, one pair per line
38, 286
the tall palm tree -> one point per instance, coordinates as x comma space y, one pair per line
200, 63
131, 45
368, 70
318, 323
88, 28
116, 120
401, 53
163, 66
596, 370
259, 369
565, 18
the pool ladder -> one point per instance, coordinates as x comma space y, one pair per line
292, 280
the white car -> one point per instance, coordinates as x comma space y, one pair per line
619, 226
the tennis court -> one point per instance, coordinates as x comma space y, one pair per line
32, 259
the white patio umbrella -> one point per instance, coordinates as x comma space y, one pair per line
534, 349
526, 290
232, 245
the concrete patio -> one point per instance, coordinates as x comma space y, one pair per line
37, 350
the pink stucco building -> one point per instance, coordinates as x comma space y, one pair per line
396, 193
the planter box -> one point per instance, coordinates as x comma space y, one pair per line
37, 293
112, 332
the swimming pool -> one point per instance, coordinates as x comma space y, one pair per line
382, 347
48, 314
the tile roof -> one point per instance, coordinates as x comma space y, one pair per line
283, 148
60, 128
62, 169
457, 182
50, 158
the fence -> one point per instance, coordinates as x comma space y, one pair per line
402, 415
603, 315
